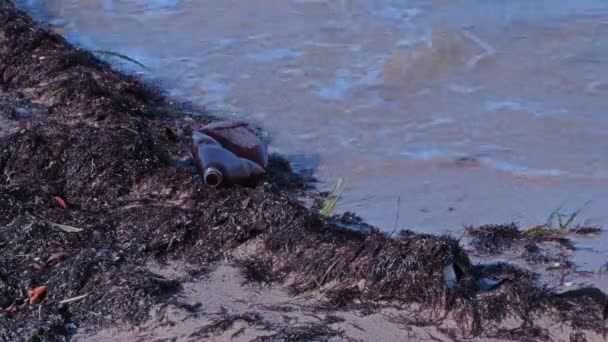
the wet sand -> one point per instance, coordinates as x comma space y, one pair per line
226, 307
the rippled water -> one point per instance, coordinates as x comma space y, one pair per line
468, 111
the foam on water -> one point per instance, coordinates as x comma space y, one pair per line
274, 54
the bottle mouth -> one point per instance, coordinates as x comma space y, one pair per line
213, 177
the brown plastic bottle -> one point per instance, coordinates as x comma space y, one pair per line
239, 138
220, 166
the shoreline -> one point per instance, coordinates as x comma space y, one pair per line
113, 150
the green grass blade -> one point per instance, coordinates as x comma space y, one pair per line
560, 222
57, 92
551, 217
570, 219
575, 214
333, 198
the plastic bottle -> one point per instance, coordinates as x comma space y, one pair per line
220, 166
239, 138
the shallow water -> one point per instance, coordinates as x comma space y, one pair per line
437, 114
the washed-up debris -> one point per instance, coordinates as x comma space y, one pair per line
56, 256
74, 299
11, 308
66, 228
107, 255
34, 294
449, 276
71, 327
60, 201
239, 138
487, 284
8, 74
219, 166
451, 273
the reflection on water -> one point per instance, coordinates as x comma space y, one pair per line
470, 111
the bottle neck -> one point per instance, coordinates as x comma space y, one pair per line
213, 176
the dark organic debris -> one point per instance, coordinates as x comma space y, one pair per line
588, 293
342, 297
225, 321
311, 332
584, 230
349, 220
493, 238
257, 270
333, 319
